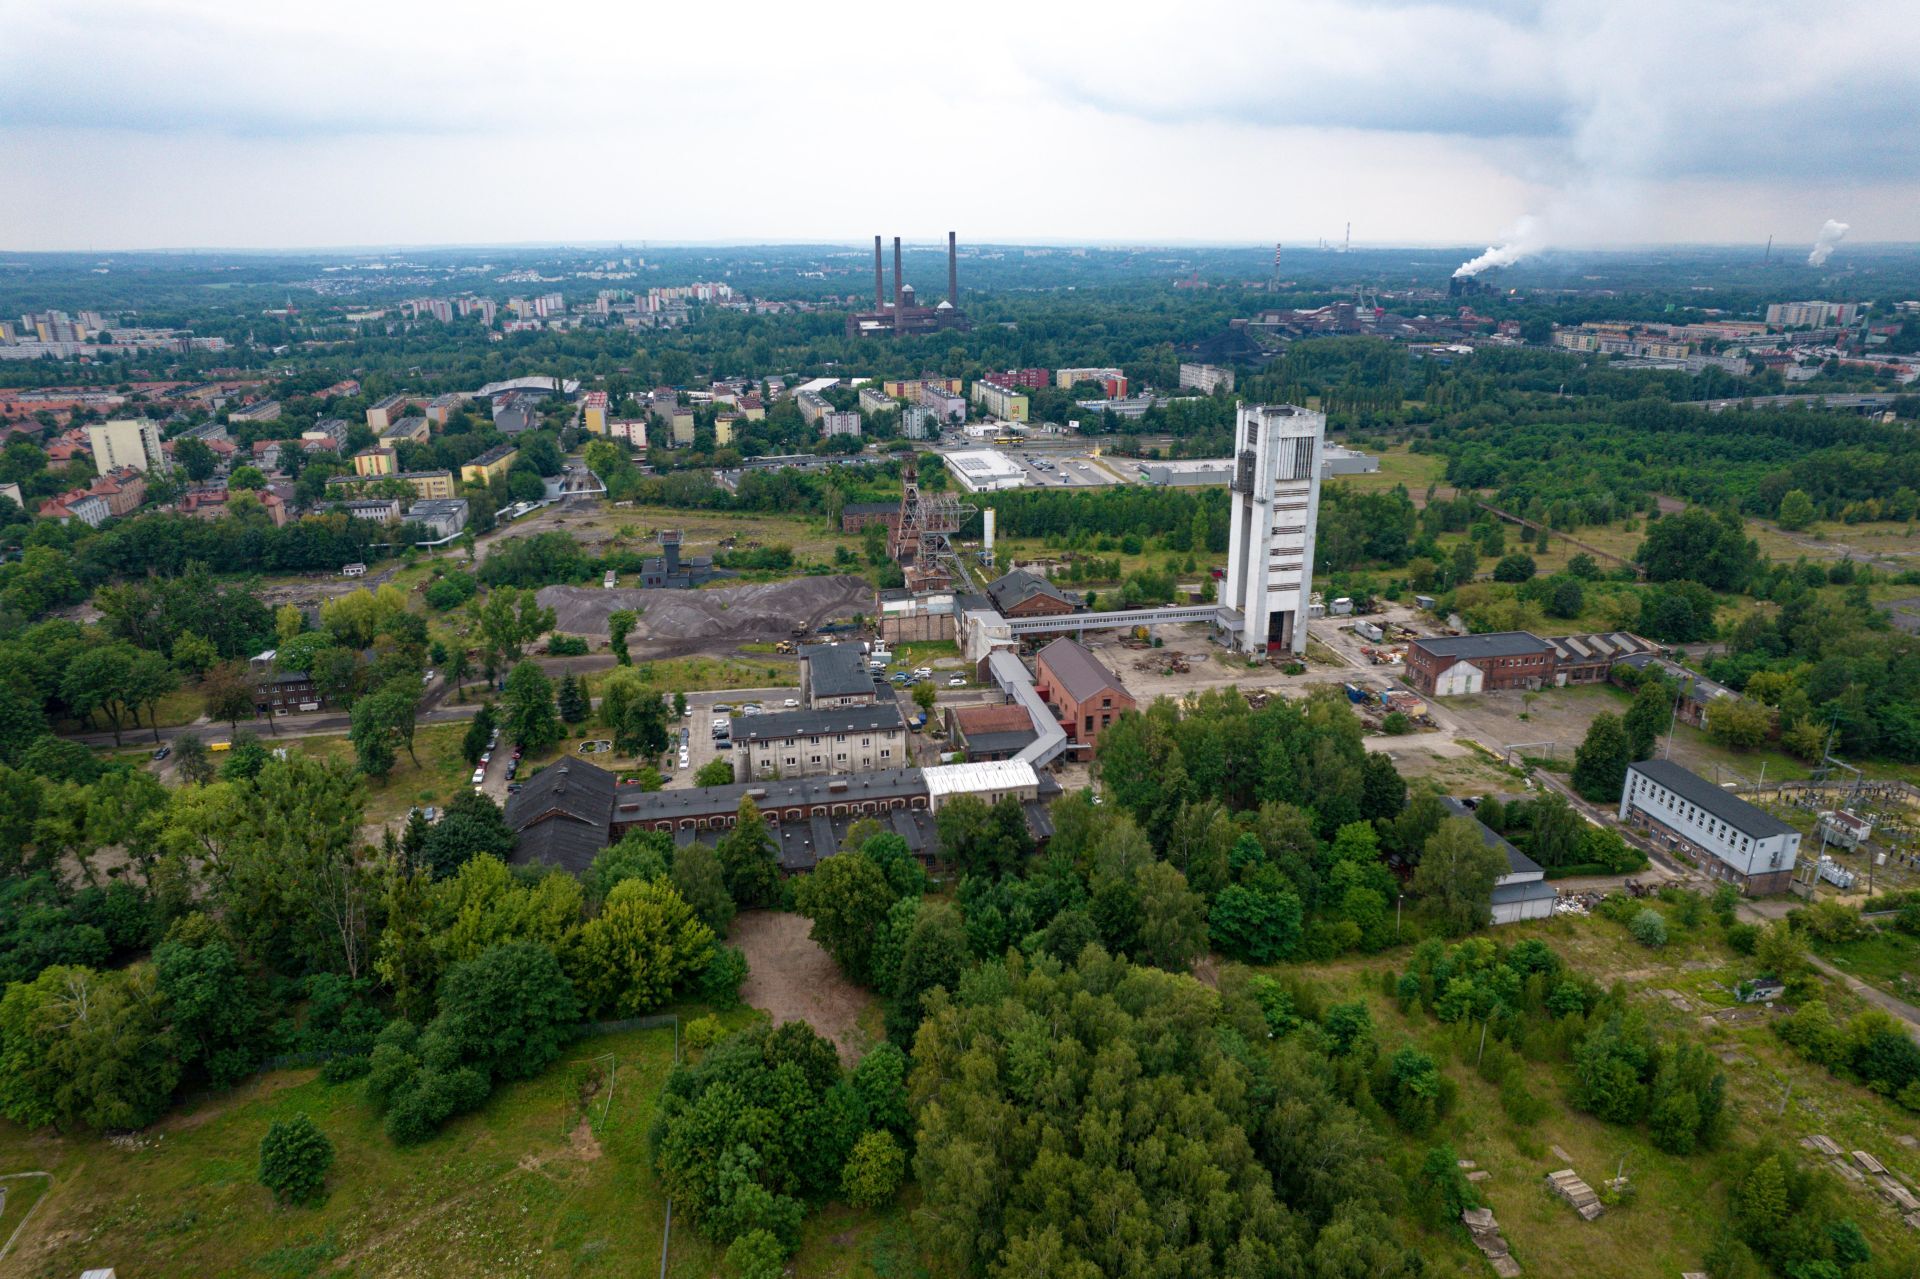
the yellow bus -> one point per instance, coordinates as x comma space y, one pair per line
221, 746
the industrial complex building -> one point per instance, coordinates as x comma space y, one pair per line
1274, 505
905, 314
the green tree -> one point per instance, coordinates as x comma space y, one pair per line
935, 953
874, 1170
1737, 723
228, 695
574, 707
1600, 762
1515, 568
1172, 921
746, 856
295, 1157
479, 734
380, 724
530, 719
1456, 875
150, 677
472, 826
644, 942
193, 759
620, 624
1254, 926
1647, 718
715, 772
508, 1012
698, 878
847, 898
924, 696
1796, 511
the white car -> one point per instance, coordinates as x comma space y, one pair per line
685, 759
958, 681
924, 672
479, 775
791, 703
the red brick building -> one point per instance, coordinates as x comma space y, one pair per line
1024, 594
1085, 695
1447, 666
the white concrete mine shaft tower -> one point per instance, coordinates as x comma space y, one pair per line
1275, 504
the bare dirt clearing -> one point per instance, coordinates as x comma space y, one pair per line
729, 614
791, 978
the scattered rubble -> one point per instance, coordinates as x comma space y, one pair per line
1567, 1184
1486, 1237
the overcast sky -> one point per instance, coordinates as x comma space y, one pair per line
160, 123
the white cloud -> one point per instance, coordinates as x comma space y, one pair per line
172, 122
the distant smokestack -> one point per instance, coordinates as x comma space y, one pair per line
879, 279
899, 281
953, 271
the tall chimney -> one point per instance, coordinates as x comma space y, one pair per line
879, 279
953, 272
898, 281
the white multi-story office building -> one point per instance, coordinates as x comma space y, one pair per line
1747, 845
1274, 504
131, 442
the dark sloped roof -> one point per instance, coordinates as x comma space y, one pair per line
1756, 823
836, 670
1518, 863
559, 841
831, 719
1080, 673
636, 805
1020, 585
1496, 644
571, 787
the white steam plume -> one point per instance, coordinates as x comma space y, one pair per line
1525, 240
1830, 234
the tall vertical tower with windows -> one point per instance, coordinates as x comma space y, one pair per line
1274, 504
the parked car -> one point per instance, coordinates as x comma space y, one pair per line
791, 703
750, 709
724, 744
722, 708
161, 752
427, 678
479, 775
514, 787
924, 672
958, 681
898, 679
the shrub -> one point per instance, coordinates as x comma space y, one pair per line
756, 1255
1649, 928
344, 1069
294, 1159
1741, 938
874, 1170
704, 1032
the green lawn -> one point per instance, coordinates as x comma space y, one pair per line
550, 1178
1885, 957
441, 774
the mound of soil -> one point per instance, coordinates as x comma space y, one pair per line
728, 614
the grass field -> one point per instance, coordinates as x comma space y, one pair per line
705, 674
1885, 958
1399, 466
550, 1178
441, 773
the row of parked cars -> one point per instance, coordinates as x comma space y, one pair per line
486, 758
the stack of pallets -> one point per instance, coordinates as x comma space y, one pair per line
1567, 1184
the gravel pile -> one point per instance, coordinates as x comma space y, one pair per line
737, 614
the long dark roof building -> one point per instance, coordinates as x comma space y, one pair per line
563, 816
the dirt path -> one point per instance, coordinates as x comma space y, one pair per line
792, 978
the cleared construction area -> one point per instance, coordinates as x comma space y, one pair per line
729, 614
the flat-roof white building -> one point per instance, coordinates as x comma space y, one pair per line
989, 780
985, 470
